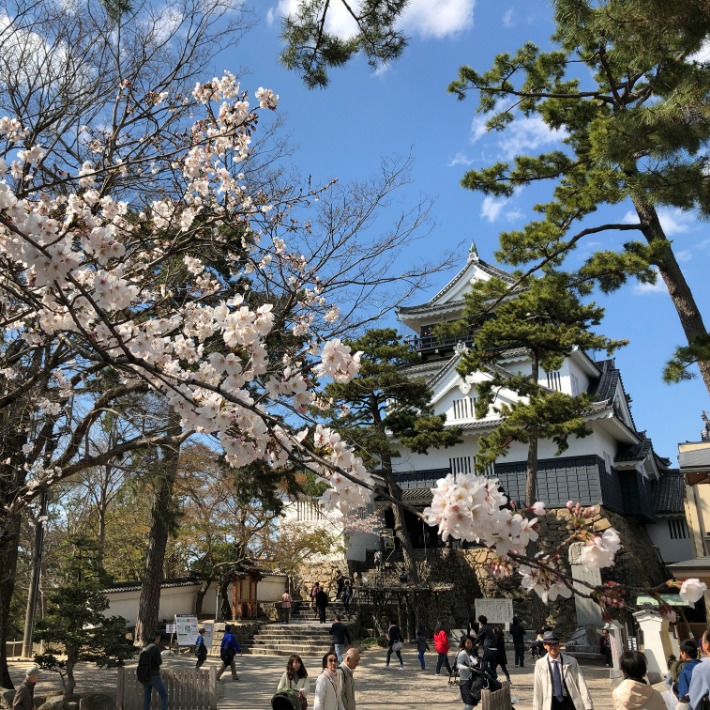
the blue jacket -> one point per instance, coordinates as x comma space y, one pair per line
684, 678
229, 642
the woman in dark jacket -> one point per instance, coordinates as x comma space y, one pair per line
501, 657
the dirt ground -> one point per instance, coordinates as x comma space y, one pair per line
375, 687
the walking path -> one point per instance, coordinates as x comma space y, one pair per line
375, 687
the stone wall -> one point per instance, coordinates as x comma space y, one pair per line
637, 564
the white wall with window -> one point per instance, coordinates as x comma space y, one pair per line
672, 538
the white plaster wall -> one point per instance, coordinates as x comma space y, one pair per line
173, 600
670, 550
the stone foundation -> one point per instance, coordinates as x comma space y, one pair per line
637, 564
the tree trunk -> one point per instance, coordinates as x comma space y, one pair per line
538, 611
161, 514
688, 312
8, 566
12, 475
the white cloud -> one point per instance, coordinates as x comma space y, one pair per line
675, 221
270, 16
509, 18
528, 134
491, 207
514, 215
525, 134
684, 255
437, 19
459, 159
423, 17
641, 289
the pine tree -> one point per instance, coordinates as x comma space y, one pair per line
626, 90
548, 320
74, 628
382, 409
312, 50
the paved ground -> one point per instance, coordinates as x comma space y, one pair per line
375, 687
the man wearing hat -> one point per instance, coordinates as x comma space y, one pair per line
558, 680
24, 697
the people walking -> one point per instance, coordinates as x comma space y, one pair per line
487, 641
347, 596
25, 695
312, 594
422, 647
286, 602
441, 646
200, 648
153, 659
346, 679
501, 656
321, 604
327, 694
341, 637
396, 644
558, 683
339, 584
227, 652
634, 693
517, 631
295, 677
605, 647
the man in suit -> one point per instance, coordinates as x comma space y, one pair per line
558, 683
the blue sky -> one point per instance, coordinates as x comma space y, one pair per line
345, 130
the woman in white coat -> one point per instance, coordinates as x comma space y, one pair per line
328, 695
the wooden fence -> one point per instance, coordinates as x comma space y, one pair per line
496, 700
188, 689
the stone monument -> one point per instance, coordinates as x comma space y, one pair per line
589, 615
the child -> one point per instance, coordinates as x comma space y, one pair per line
422, 647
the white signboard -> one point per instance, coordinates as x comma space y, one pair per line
186, 629
497, 611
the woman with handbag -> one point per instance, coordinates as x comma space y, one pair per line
396, 644
295, 677
328, 695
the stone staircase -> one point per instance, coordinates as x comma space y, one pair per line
304, 635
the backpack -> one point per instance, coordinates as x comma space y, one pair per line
143, 669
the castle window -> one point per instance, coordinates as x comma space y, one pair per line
607, 462
490, 470
308, 511
465, 408
554, 380
677, 529
460, 464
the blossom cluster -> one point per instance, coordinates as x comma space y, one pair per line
475, 509
92, 270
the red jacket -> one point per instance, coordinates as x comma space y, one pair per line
441, 642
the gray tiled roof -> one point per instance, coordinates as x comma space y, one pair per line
635, 452
669, 493
605, 387
167, 584
417, 496
698, 459
483, 265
